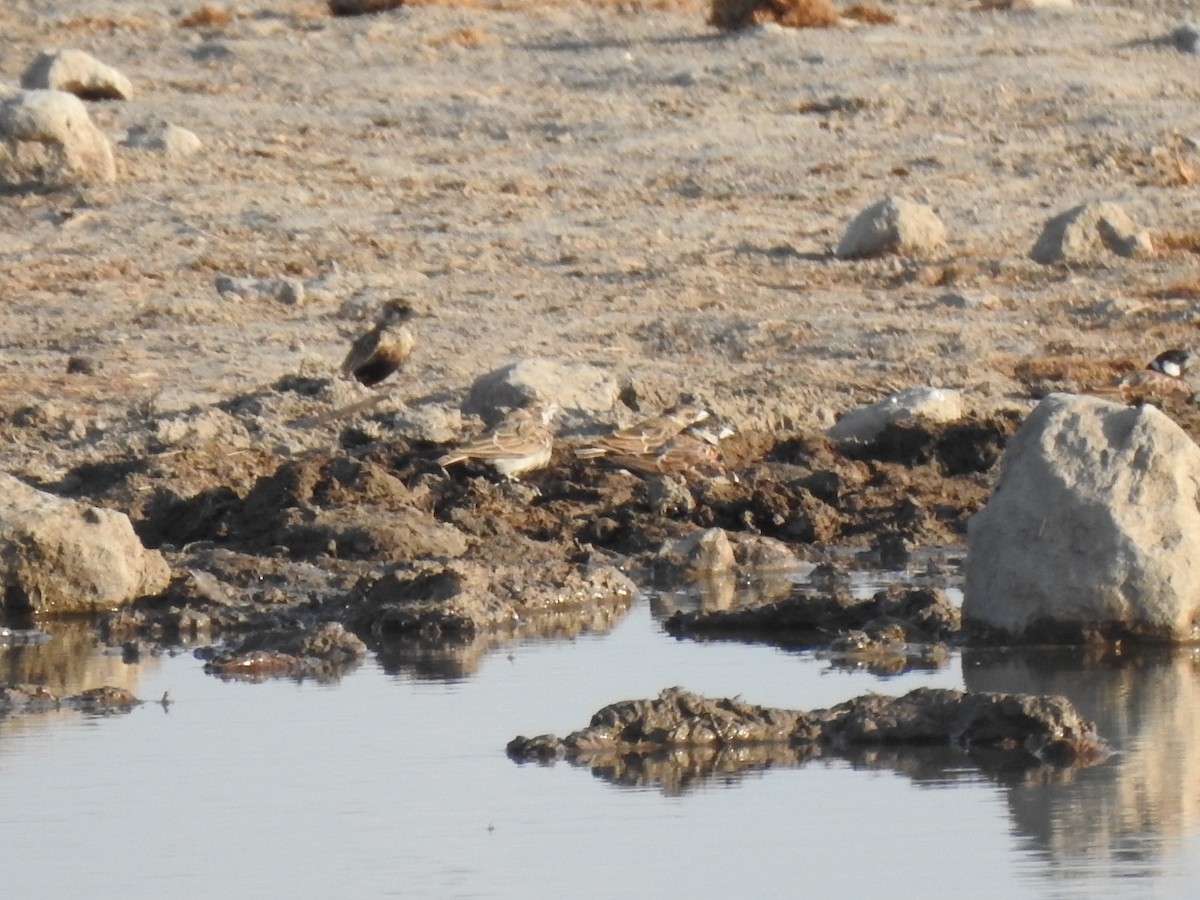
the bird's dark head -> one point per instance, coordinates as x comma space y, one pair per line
397, 311
1173, 362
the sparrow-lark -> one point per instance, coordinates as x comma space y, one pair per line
522, 442
1162, 378
383, 349
693, 451
645, 438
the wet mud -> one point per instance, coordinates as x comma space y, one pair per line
680, 739
375, 537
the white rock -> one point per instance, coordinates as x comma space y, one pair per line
893, 225
1090, 232
170, 140
194, 428
700, 553
62, 556
1093, 526
47, 138
866, 422
573, 386
429, 422
280, 290
76, 73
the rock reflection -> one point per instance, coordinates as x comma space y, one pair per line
677, 771
62, 671
442, 659
680, 739
70, 662
1148, 706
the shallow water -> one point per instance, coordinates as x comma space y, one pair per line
398, 784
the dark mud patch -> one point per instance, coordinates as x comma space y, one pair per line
806, 620
680, 738
24, 699
397, 549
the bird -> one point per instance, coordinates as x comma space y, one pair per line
645, 437
693, 450
521, 443
385, 348
1162, 378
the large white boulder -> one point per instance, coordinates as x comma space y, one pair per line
1093, 529
62, 556
48, 138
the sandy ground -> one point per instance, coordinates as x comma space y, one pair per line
622, 186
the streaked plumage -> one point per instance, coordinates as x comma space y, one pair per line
692, 451
646, 437
384, 348
522, 442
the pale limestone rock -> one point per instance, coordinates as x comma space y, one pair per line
1093, 527
62, 556
169, 140
289, 291
47, 138
700, 553
1090, 232
893, 225
76, 73
574, 387
930, 403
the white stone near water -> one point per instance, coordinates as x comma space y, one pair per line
63, 556
893, 225
1093, 527
76, 73
1089, 233
699, 553
930, 403
47, 138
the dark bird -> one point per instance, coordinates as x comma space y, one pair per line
383, 349
1162, 378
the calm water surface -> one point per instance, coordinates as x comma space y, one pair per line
391, 783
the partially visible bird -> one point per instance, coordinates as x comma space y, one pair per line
695, 450
383, 349
521, 443
646, 437
1162, 378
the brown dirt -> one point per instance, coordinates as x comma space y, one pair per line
612, 183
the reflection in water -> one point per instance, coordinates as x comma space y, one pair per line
1085, 831
70, 662
1148, 707
455, 660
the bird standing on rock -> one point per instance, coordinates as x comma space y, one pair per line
522, 442
1162, 378
385, 348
